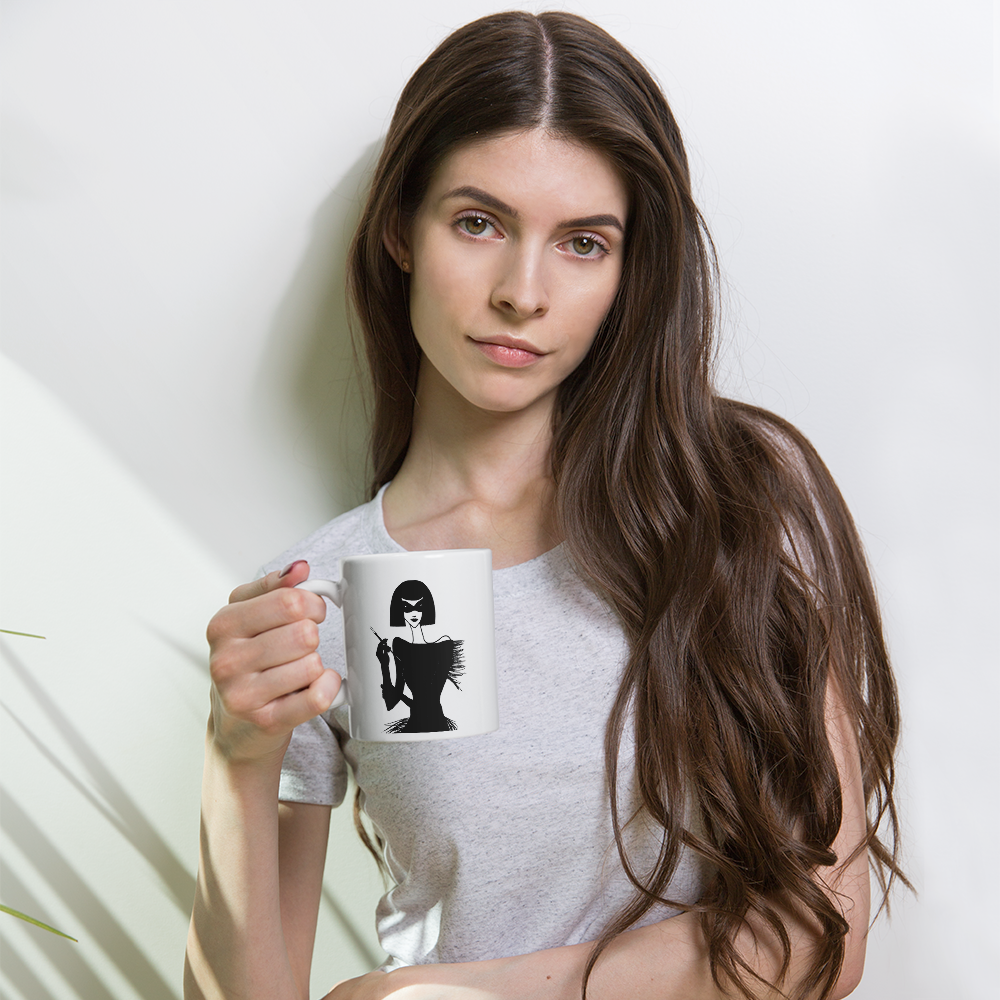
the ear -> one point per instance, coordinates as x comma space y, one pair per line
394, 240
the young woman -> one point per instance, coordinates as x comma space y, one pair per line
698, 715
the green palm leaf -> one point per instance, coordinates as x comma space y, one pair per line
32, 920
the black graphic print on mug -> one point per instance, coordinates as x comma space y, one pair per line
423, 666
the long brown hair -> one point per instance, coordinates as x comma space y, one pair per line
710, 526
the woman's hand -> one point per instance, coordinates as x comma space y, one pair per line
267, 676
382, 652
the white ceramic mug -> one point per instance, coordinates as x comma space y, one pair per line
418, 628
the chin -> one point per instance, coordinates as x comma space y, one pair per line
509, 402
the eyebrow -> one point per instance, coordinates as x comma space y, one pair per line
491, 201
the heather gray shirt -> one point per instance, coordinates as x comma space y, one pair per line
498, 844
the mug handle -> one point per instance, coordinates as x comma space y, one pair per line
332, 590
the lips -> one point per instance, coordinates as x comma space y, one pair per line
509, 352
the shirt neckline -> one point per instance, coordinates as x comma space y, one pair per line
549, 569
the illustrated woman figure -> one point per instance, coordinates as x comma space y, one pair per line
422, 666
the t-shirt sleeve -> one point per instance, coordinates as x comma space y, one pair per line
314, 769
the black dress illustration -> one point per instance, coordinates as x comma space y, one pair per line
422, 667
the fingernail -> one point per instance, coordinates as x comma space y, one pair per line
290, 567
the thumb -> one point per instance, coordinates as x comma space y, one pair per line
291, 576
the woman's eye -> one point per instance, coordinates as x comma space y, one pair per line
475, 225
587, 246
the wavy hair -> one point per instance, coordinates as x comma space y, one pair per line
710, 526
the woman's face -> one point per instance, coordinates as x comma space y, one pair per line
412, 612
516, 254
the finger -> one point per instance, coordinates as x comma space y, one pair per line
250, 693
291, 710
291, 576
257, 615
237, 660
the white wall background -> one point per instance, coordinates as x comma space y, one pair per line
179, 184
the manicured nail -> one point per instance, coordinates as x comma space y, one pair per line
290, 567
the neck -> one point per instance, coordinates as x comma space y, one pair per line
474, 479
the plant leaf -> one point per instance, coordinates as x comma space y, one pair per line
30, 635
32, 920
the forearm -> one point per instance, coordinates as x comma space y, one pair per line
392, 694
661, 962
236, 948
664, 961
669, 961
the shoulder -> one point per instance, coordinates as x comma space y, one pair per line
348, 534
401, 645
445, 638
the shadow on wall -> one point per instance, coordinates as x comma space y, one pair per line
113, 802
102, 725
309, 367
109, 798
104, 928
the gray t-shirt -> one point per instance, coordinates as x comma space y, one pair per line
499, 844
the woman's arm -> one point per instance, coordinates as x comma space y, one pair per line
666, 960
266, 679
303, 835
401, 694
392, 695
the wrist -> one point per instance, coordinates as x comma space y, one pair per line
246, 756
236, 743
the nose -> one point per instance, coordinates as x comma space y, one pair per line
520, 290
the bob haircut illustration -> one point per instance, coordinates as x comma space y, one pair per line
411, 590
